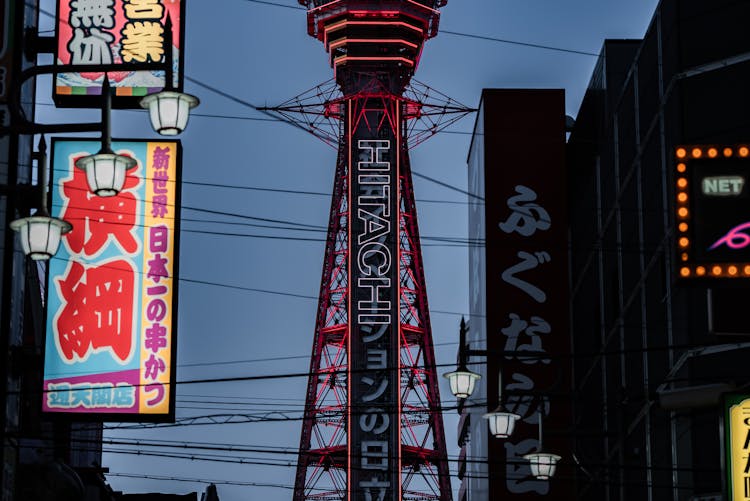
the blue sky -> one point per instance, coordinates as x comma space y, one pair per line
262, 54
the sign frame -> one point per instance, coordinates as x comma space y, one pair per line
374, 162
112, 247
124, 96
695, 209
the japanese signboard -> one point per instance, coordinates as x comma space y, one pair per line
374, 429
737, 447
112, 297
526, 280
7, 17
120, 32
712, 212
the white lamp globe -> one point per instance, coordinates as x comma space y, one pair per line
543, 464
501, 423
169, 111
40, 235
462, 382
105, 172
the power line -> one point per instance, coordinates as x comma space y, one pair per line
462, 34
309, 192
269, 291
286, 463
515, 42
198, 480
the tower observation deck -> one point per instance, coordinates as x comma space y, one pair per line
372, 428
383, 37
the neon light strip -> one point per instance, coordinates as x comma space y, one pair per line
343, 59
397, 133
344, 41
434, 11
310, 11
374, 13
347, 22
349, 310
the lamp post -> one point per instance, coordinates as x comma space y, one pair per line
501, 423
105, 170
40, 234
462, 380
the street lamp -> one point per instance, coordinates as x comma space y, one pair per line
106, 170
40, 234
169, 110
501, 423
542, 464
462, 380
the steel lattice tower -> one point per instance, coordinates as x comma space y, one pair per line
372, 429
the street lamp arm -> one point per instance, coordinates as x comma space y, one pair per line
20, 124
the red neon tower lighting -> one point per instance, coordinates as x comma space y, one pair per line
372, 429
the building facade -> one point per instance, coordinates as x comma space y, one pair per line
651, 354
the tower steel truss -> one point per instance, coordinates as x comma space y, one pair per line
372, 428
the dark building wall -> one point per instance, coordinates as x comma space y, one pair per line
685, 82
34, 449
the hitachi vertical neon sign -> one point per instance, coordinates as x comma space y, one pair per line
712, 212
373, 346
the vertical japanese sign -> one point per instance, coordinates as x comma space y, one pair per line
120, 32
7, 16
526, 279
112, 297
374, 396
737, 447
712, 212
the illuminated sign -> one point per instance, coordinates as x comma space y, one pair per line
111, 293
722, 186
737, 447
712, 212
519, 283
374, 429
118, 32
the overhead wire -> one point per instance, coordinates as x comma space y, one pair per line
461, 34
92, 443
456, 33
518, 355
294, 192
262, 461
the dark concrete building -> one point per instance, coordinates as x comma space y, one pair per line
41, 458
657, 338
651, 353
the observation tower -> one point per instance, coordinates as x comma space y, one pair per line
372, 428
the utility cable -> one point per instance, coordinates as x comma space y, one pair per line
461, 34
